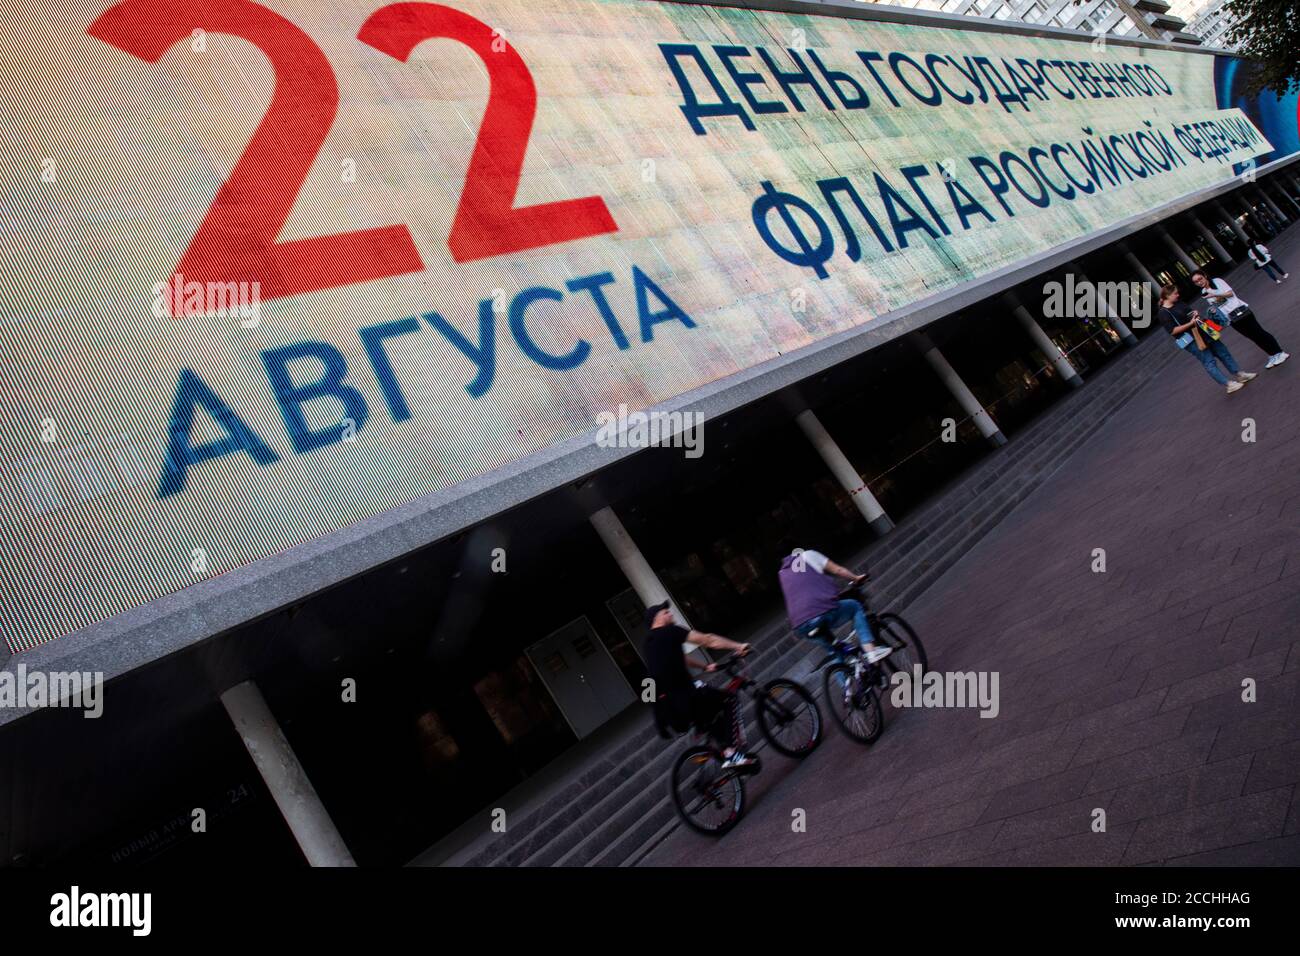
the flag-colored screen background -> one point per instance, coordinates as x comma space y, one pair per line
111, 162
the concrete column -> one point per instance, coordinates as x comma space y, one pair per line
1286, 183
844, 472
632, 562
1236, 226
284, 777
1177, 250
1151, 301
1211, 239
1279, 190
1125, 335
1273, 207
1143, 272
965, 397
1043, 341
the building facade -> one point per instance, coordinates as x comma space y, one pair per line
1153, 19
1212, 22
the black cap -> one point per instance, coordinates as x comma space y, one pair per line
653, 611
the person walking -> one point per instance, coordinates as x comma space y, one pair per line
1241, 317
1263, 259
1200, 341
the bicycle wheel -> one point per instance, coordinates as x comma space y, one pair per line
855, 708
789, 717
909, 651
708, 799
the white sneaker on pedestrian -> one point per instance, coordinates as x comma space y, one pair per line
1235, 387
1272, 360
1244, 377
1280, 357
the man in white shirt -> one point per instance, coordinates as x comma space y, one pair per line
1263, 259
1243, 319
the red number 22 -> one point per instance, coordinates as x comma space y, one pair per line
238, 239
487, 223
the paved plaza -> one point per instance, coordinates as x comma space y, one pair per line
1120, 691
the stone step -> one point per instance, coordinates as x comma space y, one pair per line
779, 652
1033, 469
957, 495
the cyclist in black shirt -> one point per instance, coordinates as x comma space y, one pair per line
681, 703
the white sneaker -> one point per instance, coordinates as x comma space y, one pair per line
878, 654
1280, 357
1272, 360
1244, 377
739, 759
1235, 387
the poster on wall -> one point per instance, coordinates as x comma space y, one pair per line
272, 268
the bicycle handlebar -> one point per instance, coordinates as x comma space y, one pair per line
730, 662
855, 590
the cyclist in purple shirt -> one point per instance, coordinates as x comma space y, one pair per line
810, 583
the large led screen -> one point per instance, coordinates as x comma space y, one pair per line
272, 268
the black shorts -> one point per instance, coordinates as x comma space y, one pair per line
711, 713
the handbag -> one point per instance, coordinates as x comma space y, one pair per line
1184, 340
1217, 320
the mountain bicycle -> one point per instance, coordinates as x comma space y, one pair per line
851, 684
709, 796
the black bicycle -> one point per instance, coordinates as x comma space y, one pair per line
851, 683
708, 793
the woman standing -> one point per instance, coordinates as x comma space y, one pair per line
1264, 260
1241, 317
1198, 340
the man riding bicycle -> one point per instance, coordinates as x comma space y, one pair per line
680, 703
809, 581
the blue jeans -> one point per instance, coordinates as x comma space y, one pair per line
1274, 269
1216, 350
845, 611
